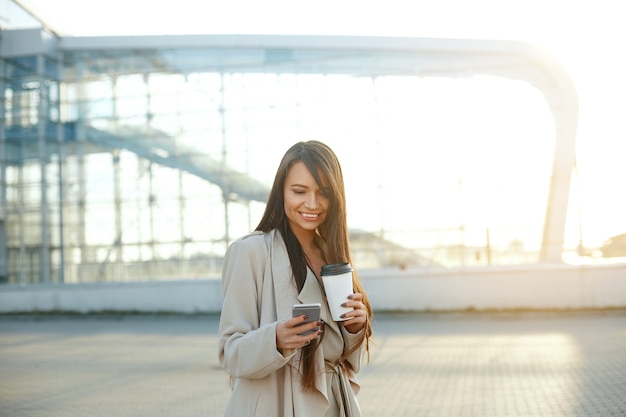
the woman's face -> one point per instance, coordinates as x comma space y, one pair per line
306, 204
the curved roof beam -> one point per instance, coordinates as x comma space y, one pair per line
371, 56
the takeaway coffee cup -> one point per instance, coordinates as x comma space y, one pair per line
337, 280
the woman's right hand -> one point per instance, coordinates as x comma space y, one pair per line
287, 336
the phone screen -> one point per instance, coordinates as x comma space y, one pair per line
312, 310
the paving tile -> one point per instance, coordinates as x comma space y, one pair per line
455, 365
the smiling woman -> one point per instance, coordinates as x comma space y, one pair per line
296, 369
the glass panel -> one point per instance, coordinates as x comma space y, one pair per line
436, 169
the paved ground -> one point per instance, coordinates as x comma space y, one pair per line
422, 365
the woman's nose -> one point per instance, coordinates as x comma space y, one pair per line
311, 201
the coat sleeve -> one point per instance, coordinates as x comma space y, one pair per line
246, 349
351, 339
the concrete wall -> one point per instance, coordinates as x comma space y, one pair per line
511, 288
528, 287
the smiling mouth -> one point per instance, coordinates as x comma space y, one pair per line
309, 216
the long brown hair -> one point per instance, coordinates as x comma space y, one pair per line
332, 235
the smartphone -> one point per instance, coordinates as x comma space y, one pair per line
312, 310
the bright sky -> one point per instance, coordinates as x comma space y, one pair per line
586, 37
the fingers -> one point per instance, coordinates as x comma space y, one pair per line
355, 320
354, 301
292, 334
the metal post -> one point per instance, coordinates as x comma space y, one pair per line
225, 179
60, 144
181, 219
151, 203
4, 275
118, 211
85, 258
44, 252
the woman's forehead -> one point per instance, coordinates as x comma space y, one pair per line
300, 172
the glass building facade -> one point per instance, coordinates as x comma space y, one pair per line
135, 163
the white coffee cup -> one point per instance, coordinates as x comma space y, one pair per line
337, 280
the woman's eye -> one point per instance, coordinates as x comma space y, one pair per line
298, 192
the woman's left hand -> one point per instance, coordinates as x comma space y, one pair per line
355, 319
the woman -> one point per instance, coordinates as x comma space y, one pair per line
275, 371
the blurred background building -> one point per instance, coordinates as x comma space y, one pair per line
142, 157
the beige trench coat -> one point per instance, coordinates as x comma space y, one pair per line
258, 291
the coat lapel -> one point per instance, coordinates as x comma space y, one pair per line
312, 293
285, 291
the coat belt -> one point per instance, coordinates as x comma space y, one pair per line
340, 387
